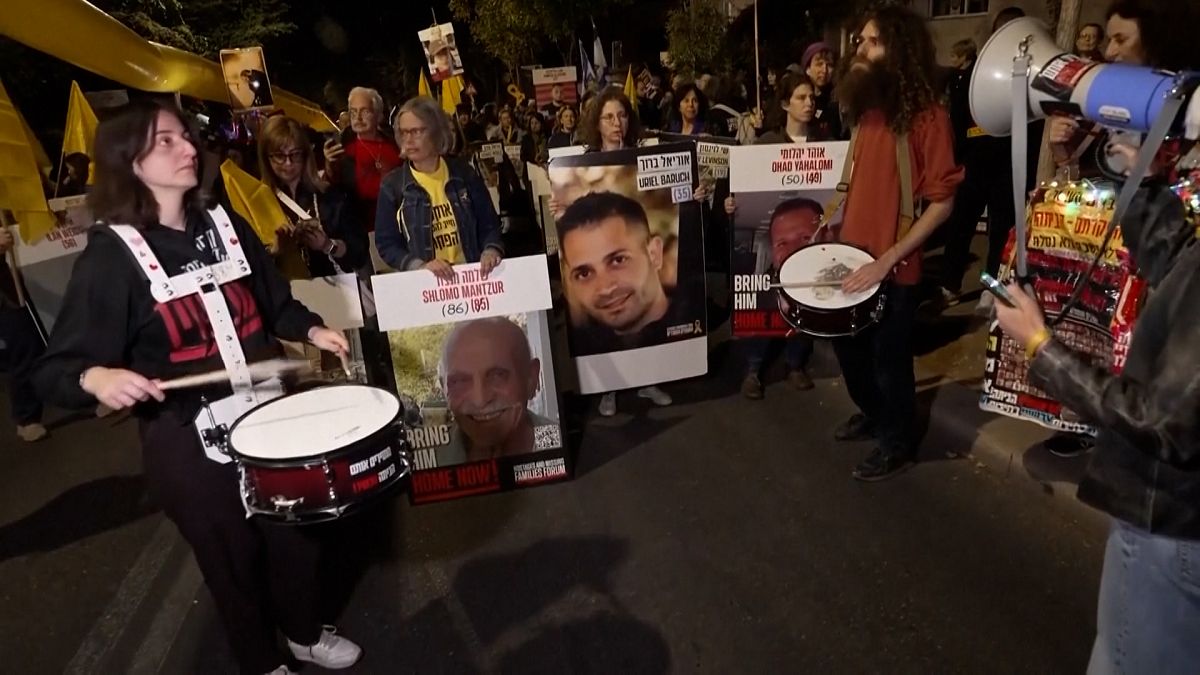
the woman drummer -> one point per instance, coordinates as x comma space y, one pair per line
114, 343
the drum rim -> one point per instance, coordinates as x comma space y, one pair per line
305, 460
779, 292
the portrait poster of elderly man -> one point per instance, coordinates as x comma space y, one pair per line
631, 253
478, 390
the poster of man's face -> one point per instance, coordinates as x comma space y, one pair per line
441, 52
769, 226
245, 72
554, 88
632, 265
477, 390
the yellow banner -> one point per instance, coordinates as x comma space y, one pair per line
81, 34
21, 188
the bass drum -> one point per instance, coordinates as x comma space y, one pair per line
319, 454
825, 311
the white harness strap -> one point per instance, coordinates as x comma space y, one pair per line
206, 282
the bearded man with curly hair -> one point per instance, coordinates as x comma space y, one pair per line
887, 96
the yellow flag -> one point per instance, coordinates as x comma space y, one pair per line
631, 90
39, 153
253, 200
79, 134
452, 94
423, 86
21, 188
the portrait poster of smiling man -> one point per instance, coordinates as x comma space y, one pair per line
474, 372
631, 254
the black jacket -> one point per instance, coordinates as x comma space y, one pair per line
1145, 469
109, 317
342, 219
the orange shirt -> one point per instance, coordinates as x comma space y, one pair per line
872, 212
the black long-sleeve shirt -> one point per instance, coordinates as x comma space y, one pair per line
110, 319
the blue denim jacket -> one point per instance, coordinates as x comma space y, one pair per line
403, 218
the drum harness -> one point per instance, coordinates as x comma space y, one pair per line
213, 424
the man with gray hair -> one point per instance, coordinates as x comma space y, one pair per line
434, 212
489, 375
368, 153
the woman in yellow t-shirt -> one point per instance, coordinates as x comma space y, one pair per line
434, 212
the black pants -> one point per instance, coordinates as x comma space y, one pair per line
23, 347
262, 576
986, 185
877, 365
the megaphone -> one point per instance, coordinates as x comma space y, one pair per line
1111, 94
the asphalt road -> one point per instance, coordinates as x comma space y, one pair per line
717, 535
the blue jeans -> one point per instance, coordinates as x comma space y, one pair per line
796, 352
1149, 611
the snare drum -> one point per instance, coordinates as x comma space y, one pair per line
319, 454
826, 311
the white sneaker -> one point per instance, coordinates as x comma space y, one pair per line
331, 651
658, 396
608, 404
282, 670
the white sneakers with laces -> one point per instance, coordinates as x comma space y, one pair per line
331, 651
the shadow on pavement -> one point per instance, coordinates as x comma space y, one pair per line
601, 644
1048, 469
497, 597
80, 512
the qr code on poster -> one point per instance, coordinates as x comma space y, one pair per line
547, 436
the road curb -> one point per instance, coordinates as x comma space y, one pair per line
1009, 448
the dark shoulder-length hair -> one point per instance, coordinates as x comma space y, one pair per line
591, 131
776, 117
124, 138
701, 103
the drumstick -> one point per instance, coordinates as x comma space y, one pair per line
808, 284
261, 371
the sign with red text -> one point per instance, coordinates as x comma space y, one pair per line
781, 193
631, 259
1066, 229
554, 88
798, 166
418, 298
481, 408
47, 263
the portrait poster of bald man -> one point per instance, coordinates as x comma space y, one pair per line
781, 195
631, 257
482, 409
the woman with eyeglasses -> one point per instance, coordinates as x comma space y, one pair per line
323, 221
434, 212
613, 125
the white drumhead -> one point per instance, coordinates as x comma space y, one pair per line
313, 422
824, 262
